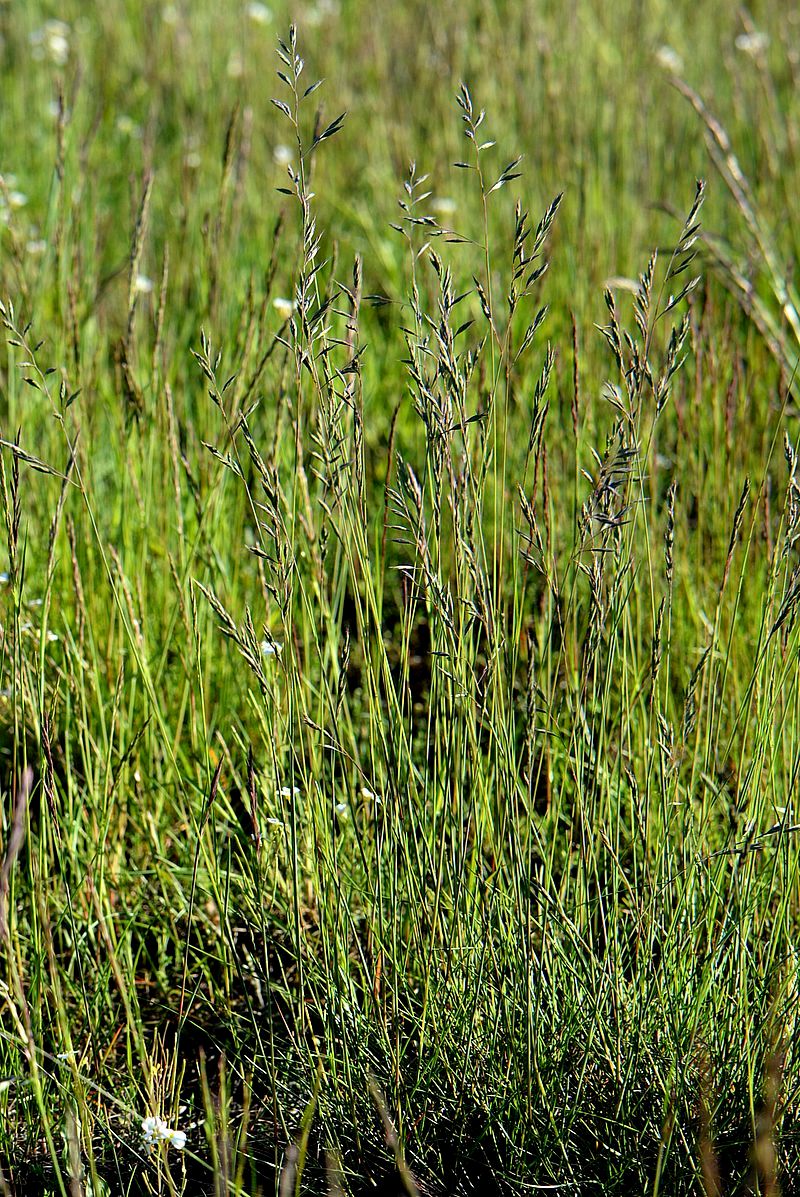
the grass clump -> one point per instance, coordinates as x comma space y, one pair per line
399, 673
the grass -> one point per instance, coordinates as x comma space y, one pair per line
400, 717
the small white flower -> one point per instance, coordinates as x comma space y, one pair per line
59, 49
284, 307
289, 791
271, 648
56, 41
52, 636
259, 13
754, 43
321, 11
155, 1131
127, 125
17, 199
283, 155
142, 284
669, 59
192, 160
444, 205
341, 809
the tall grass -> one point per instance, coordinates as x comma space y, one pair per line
399, 647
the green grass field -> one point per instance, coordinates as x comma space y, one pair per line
399, 654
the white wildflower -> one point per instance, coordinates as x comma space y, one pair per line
51, 41
142, 284
127, 126
259, 13
289, 791
669, 59
271, 648
284, 307
283, 155
155, 1131
321, 11
444, 205
17, 199
754, 43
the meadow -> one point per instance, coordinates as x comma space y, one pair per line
399, 687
